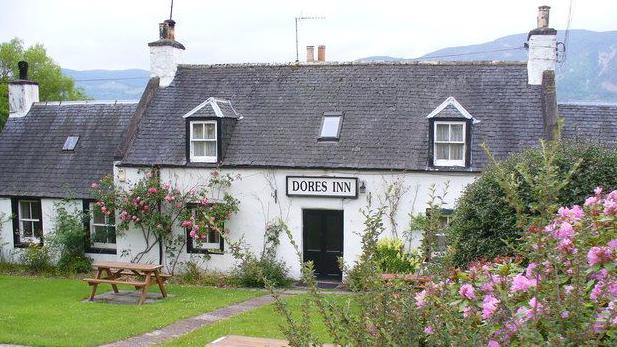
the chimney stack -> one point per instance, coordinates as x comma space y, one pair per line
165, 54
542, 48
22, 92
543, 14
321, 54
310, 54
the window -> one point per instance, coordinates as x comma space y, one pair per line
212, 243
442, 243
29, 221
102, 229
449, 143
331, 126
203, 141
70, 143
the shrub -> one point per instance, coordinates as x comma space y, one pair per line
391, 257
485, 223
256, 272
192, 274
36, 258
68, 241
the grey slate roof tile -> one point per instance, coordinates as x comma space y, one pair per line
385, 106
32, 162
590, 122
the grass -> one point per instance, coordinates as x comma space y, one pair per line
49, 312
261, 322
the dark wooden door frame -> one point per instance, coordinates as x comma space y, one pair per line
325, 260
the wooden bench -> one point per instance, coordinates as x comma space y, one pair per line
115, 273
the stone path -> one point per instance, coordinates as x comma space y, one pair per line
185, 326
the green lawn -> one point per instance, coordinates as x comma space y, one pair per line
261, 322
48, 311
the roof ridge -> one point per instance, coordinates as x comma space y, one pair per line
587, 103
85, 102
353, 63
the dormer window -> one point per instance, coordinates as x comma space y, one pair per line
331, 126
450, 126
203, 141
209, 127
449, 143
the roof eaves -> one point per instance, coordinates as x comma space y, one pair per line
452, 101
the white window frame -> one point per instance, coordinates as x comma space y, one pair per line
337, 136
22, 237
110, 221
447, 162
205, 158
202, 245
448, 218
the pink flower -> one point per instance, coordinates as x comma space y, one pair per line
521, 283
467, 311
94, 185
489, 306
565, 231
152, 190
187, 224
596, 292
612, 243
567, 246
428, 330
166, 186
574, 213
565, 314
421, 299
568, 289
178, 205
192, 233
488, 287
536, 307
599, 255
467, 291
204, 201
612, 288
600, 275
592, 200
493, 343
529, 272
598, 190
169, 198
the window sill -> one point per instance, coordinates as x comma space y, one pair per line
206, 251
93, 250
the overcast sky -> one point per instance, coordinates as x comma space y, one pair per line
112, 34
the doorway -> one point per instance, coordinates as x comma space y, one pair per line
323, 241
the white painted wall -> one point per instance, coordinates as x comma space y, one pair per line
21, 97
48, 209
164, 62
255, 190
542, 57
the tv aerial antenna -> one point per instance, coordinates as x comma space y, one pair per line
298, 19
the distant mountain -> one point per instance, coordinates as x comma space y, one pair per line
588, 72
111, 84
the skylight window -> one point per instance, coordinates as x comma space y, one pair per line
331, 126
70, 143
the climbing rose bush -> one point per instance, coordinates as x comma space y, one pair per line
566, 293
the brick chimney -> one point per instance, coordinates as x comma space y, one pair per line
165, 54
321, 54
310, 54
22, 92
542, 48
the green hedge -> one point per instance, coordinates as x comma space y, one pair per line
483, 222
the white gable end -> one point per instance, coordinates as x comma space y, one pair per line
453, 102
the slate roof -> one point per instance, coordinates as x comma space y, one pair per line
385, 107
32, 162
590, 122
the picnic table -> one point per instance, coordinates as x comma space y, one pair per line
140, 276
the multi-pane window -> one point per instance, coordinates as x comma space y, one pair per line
210, 242
331, 126
449, 144
102, 229
203, 141
30, 224
442, 243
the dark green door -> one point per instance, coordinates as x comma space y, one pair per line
323, 241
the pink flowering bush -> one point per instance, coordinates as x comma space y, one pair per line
155, 209
566, 294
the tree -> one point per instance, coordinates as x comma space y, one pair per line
53, 85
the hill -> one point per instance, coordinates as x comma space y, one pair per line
586, 72
111, 84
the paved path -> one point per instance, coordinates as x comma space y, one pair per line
185, 326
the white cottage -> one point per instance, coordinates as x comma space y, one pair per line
312, 143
